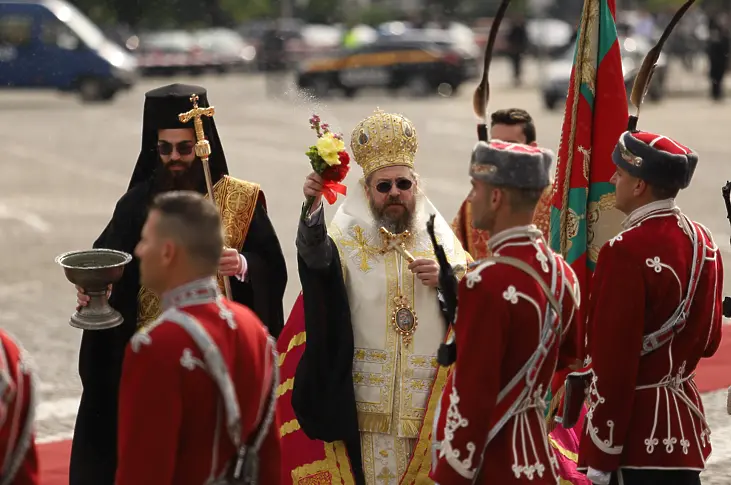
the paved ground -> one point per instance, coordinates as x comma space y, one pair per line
65, 165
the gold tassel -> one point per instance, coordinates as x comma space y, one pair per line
374, 423
409, 428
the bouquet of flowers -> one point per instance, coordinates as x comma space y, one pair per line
329, 160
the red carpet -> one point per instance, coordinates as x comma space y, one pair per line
715, 373
54, 461
712, 374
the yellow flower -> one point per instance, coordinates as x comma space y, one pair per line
328, 147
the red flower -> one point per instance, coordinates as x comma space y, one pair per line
337, 173
344, 158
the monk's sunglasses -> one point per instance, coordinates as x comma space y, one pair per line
403, 185
183, 147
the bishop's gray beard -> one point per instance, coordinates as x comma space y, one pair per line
395, 225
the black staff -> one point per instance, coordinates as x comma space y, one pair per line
726, 191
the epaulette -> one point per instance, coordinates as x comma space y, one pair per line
707, 231
474, 271
475, 264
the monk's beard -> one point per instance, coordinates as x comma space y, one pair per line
394, 224
191, 178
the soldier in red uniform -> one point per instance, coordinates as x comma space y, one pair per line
515, 312
654, 312
198, 385
19, 463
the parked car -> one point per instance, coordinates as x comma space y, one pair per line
632, 49
419, 62
228, 48
548, 36
49, 44
172, 52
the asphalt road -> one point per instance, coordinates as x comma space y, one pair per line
66, 164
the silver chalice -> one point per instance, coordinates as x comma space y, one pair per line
94, 270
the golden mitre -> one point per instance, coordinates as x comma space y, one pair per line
384, 140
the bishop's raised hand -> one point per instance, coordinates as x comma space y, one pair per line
313, 188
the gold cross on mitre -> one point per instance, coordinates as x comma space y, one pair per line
397, 243
202, 146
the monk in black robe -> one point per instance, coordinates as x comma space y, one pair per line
253, 261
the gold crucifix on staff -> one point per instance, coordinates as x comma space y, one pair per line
203, 151
396, 242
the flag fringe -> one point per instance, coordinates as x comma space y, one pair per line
581, 52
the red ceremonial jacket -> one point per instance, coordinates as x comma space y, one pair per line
490, 427
644, 408
18, 452
175, 423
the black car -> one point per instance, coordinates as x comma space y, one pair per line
421, 63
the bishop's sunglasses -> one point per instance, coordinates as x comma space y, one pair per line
402, 184
183, 147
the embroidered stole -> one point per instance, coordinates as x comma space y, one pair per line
398, 386
236, 201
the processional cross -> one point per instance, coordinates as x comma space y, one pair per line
202, 146
203, 151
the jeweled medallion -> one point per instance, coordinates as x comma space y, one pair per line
404, 319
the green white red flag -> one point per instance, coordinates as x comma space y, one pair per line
583, 217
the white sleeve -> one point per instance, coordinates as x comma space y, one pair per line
244, 268
598, 477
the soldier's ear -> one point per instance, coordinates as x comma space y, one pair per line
497, 197
640, 187
168, 251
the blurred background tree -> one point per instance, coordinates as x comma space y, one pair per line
319, 11
229, 13
375, 15
174, 13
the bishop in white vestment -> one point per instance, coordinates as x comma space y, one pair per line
374, 325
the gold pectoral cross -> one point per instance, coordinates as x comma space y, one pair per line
202, 146
403, 316
397, 242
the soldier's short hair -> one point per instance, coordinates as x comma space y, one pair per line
193, 222
523, 200
515, 116
661, 193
